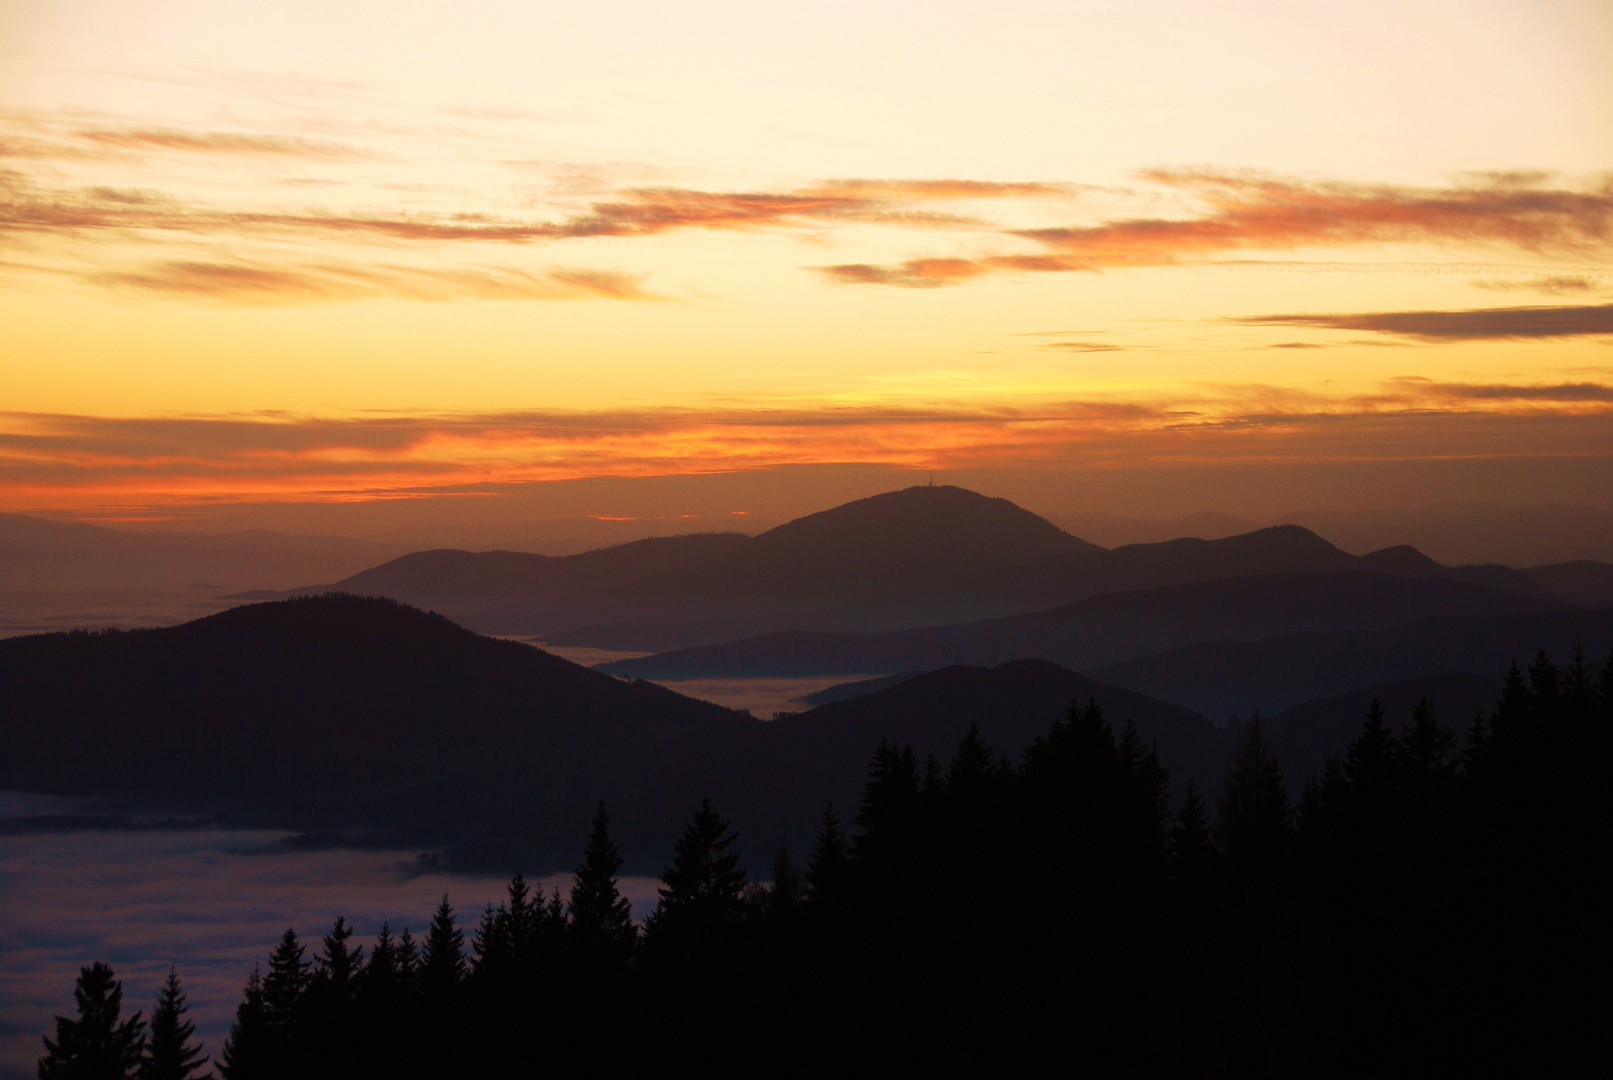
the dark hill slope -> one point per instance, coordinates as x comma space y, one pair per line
918, 555
1305, 735
657, 565
1016, 702
1103, 629
1585, 582
336, 711
921, 556
902, 540
38, 554
1012, 703
889, 543
1227, 678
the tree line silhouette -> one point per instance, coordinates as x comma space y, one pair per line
1433, 901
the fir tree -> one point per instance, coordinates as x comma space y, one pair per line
338, 965
828, 873
408, 964
1427, 758
1145, 798
1579, 686
889, 807
283, 989
248, 1048
701, 891
554, 922
1545, 685
169, 1052
974, 768
442, 968
99, 1045
1192, 849
490, 941
1605, 692
1256, 818
523, 923
1370, 762
1475, 747
601, 917
785, 896
382, 970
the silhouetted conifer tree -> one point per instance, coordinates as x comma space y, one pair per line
1545, 684
601, 917
1427, 760
337, 964
1256, 818
700, 892
99, 1045
283, 989
170, 1055
888, 814
554, 922
785, 896
1192, 850
249, 1046
974, 769
442, 967
1579, 686
408, 964
1605, 691
828, 875
1146, 799
381, 982
490, 942
1476, 746
524, 923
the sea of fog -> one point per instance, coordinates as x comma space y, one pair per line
212, 902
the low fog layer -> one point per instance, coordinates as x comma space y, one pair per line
211, 902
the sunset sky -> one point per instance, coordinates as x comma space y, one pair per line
310, 253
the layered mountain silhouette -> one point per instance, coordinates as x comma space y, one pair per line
338, 713
1106, 629
38, 554
1234, 678
920, 556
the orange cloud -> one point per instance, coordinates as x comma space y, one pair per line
1473, 325
219, 142
1241, 213
67, 462
246, 283
644, 211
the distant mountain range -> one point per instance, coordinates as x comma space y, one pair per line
38, 554
329, 713
1103, 630
1232, 678
1453, 533
921, 556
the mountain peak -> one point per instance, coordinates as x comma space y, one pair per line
927, 521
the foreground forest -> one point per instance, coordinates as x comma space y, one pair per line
1433, 902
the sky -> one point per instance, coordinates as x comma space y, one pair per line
1156, 257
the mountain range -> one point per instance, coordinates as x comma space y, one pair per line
1103, 630
923, 556
365, 721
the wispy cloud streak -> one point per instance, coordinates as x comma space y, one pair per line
1474, 325
1241, 214
63, 460
246, 283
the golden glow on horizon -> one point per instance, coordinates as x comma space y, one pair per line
373, 250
